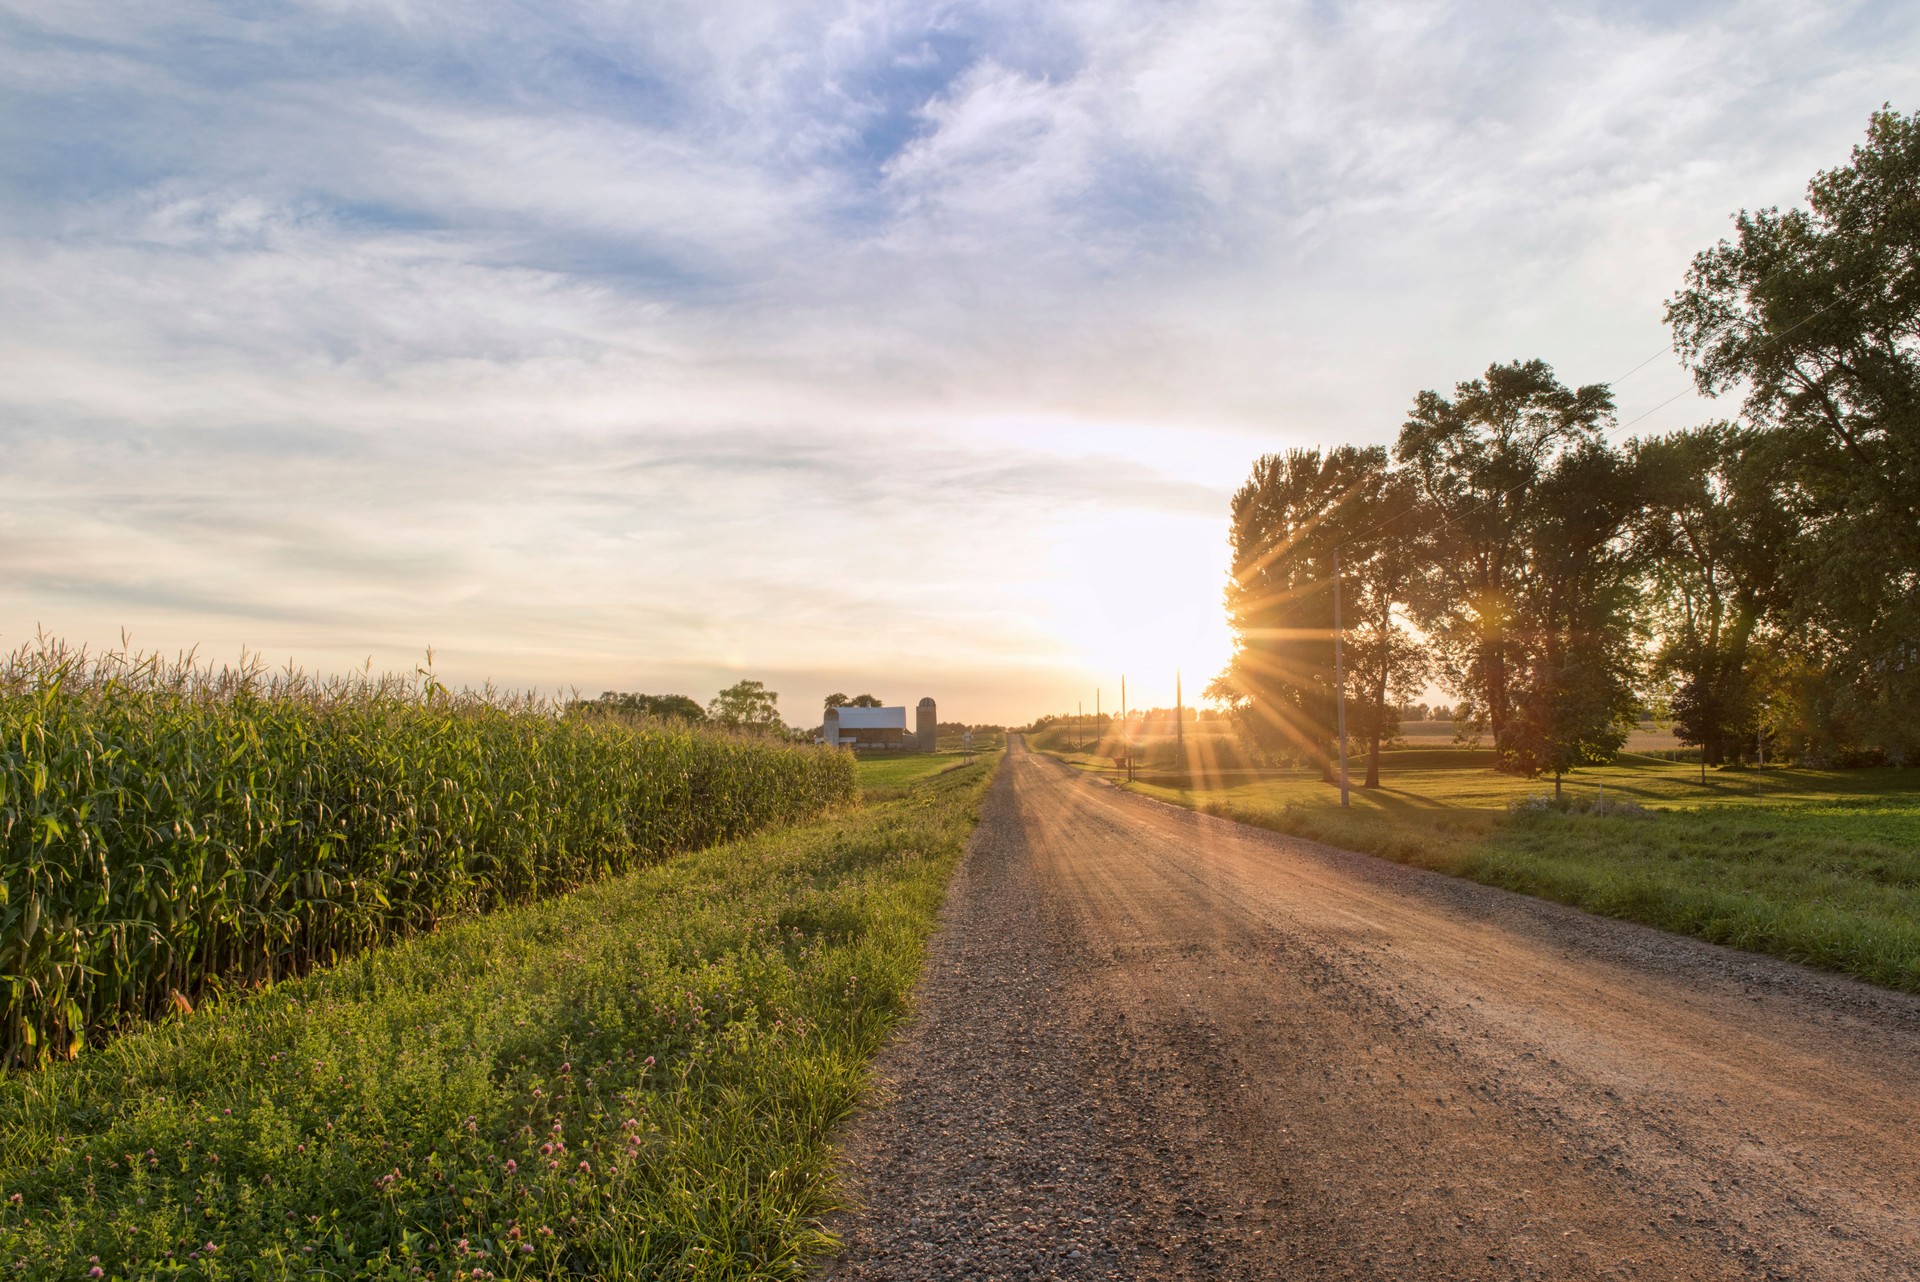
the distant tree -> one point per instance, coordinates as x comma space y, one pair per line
676, 707
1815, 315
865, 701
1478, 459
747, 705
836, 700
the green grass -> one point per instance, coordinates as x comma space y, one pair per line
639, 1079
887, 776
1817, 866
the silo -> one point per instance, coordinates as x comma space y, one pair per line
926, 725
830, 727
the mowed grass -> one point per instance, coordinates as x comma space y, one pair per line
888, 776
1817, 866
636, 1080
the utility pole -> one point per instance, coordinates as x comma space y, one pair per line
1339, 678
1126, 730
1079, 715
1096, 720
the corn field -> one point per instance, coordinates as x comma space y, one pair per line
170, 829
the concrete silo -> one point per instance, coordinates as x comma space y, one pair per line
926, 725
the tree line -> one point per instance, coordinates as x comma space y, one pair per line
1757, 579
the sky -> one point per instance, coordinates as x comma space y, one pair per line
911, 348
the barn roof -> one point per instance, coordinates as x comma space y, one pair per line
873, 718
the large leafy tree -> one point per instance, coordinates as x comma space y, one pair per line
1479, 459
1714, 534
1815, 313
1293, 513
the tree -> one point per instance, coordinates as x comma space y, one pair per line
858, 701
1816, 314
1478, 460
1714, 534
1289, 518
664, 706
1571, 679
1380, 562
747, 705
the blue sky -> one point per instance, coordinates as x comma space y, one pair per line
889, 346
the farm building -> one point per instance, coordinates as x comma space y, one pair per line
880, 729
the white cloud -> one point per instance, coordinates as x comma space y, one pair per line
623, 345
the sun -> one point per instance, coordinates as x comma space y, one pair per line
1142, 596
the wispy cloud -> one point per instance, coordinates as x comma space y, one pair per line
618, 345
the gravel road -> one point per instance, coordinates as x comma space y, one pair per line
1154, 1044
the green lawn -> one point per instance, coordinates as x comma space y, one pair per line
638, 1079
1818, 866
886, 776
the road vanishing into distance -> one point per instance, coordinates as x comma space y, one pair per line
1156, 1044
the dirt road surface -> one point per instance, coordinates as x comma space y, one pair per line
1156, 1044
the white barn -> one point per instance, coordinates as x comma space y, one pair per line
866, 728
882, 729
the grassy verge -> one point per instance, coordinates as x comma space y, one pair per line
635, 1080
1819, 867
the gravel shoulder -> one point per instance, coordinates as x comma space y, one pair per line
1156, 1044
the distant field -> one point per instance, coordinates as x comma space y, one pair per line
1818, 866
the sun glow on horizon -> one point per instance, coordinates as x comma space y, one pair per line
1142, 597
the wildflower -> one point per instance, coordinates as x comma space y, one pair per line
545, 1231
463, 1246
512, 1166
586, 1167
566, 1068
546, 1150
15, 1199
96, 1272
526, 1248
